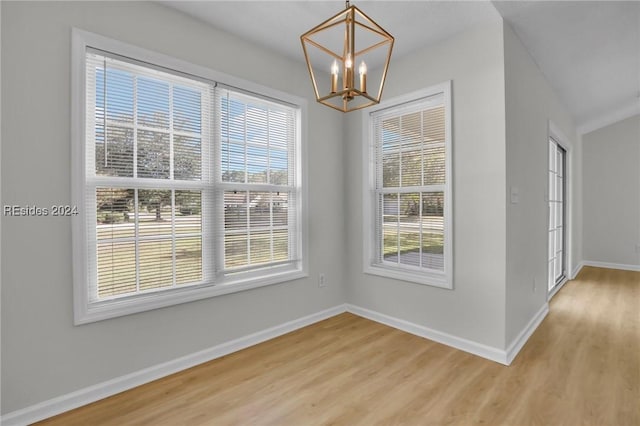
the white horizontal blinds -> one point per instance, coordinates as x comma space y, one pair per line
410, 184
259, 188
147, 170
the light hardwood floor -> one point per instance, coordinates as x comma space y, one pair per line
581, 367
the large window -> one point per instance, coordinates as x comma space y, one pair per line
408, 222
188, 188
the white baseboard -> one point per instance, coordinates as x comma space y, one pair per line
102, 390
611, 265
517, 344
479, 349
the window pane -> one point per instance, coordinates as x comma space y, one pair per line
256, 164
559, 183
153, 103
188, 218
391, 169
187, 110
154, 212
260, 209
235, 210
279, 126
411, 160
115, 96
116, 268
236, 206
434, 163
278, 169
409, 247
232, 123
280, 245
188, 260
432, 227
187, 158
256, 122
280, 208
411, 125
260, 247
390, 227
434, 124
409, 229
235, 250
115, 156
153, 154
264, 229
233, 162
156, 264
559, 215
114, 216
391, 134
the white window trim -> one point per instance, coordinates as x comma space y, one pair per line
444, 279
86, 312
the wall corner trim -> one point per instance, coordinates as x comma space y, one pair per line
577, 270
78, 398
518, 343
475, 348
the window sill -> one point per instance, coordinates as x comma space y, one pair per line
98, 311
432, 279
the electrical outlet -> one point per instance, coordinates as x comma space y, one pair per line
322, 282
535, 285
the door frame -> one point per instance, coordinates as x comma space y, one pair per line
558, 136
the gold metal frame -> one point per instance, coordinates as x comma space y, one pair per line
353, 19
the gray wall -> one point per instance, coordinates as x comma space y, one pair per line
43, 354
530, 104
612, 193
475, 308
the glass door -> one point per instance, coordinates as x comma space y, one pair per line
557, 215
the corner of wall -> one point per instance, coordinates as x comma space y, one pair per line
531, 105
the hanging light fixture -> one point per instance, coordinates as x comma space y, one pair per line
335, 48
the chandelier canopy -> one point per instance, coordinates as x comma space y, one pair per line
343, 45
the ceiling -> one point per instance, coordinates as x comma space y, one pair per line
588, 50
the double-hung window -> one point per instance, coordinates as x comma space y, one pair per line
186, 188
408, 212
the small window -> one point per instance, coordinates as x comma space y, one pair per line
408, 221
190, 188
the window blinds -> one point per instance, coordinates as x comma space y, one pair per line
185, 181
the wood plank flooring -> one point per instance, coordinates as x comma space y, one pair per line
581, 367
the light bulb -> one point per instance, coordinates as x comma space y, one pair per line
363, 77
334, 76
363, 68
348, 62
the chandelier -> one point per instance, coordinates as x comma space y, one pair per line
343, 45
